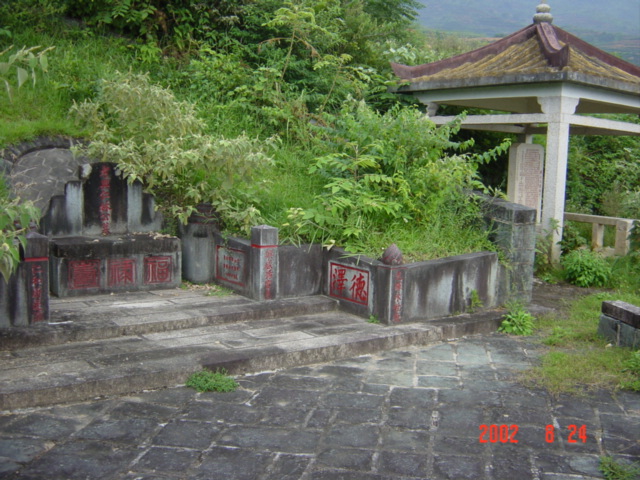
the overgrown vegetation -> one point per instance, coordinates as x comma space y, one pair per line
579, 360
159, 140
271, 111
585, 268
355, 165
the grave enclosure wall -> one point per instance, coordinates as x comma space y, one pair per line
262, 269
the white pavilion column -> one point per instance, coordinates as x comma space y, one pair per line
558, 109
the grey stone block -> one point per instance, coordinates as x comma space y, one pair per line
619, 333
625, 312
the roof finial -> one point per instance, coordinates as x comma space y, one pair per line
543, 13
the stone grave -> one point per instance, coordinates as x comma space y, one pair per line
104, 237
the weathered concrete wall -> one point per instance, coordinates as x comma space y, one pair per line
415, 291
300, 270
232, 262
513, 230
446, 286
263, 270
98, 244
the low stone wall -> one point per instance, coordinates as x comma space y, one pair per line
262, 269
620, 324
415, 291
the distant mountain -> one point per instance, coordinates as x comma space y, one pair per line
613, 27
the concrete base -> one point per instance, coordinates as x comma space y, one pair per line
87, 266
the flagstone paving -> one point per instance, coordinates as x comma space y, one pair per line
452, 410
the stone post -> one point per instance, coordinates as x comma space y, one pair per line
513, 229
24, 299
263, 266
36, 265
524, 186
390, 304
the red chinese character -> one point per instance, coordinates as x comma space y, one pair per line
338, 280
359, 288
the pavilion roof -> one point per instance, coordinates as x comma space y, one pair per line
540, 50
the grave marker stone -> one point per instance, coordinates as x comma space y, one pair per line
526, 175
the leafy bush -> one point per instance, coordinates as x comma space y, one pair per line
603, 168
384, 170
24, 61
210, 381
517, 321
16, 217
159, 140
585, 268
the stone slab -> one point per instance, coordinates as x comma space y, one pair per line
625, 312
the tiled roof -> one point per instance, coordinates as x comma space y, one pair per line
536, 49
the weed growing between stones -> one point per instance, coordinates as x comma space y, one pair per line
614, 470
517, 321
212, 381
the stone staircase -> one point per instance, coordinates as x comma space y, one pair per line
117, 344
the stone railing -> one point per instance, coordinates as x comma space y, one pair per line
623, 228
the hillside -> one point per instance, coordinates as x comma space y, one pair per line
615, 29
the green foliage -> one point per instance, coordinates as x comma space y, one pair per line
383, 170
212, 381
544, 250
603, 174
615, 470
517, 321
579, 360
16, 217
160, 141
585, 268
25, 62
38, 15
572, 237
632, 367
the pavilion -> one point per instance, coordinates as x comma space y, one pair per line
538, 80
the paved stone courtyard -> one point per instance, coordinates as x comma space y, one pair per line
402, 414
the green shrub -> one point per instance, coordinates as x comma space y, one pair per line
161, 141
585, 268
384, 171
517, 321
210, 381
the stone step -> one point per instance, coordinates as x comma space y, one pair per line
80, 371
111, 316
